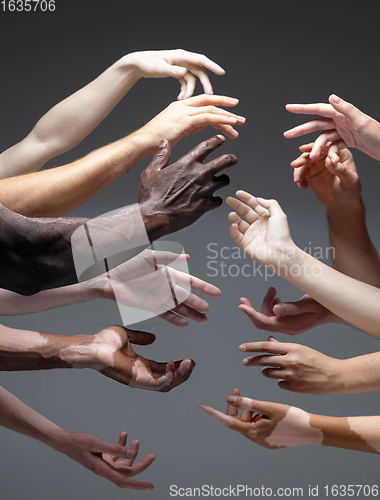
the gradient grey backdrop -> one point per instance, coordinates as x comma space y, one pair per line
274, 52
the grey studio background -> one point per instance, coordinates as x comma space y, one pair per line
274, 52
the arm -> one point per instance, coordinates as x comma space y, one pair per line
109, 352
298, 368
291, 318
70, 121
36, 254
55, 192
92, 452
344, 125
265, 236
275, 426
338, 187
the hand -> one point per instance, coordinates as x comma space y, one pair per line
114, 357
273, 425
265, 234
172, 197
102, 457
187, 117
296, 367
335, 184
291, 318
345, 126
146, 282
181, 64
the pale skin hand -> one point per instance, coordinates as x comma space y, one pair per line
274, 425
192, 307
141, 281
55, 192
114, 462
181, 64
70, 121
291, 318
338, 187
270, 243
343, 125
110, 352
299, 368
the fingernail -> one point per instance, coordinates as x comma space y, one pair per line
162, 143
232, 399
241, 118
243, 347
234, 132
232, 99
131, 454
220, 136
246, 361
297, 177
336, 99
278, 309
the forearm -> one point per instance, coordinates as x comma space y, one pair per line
352, 251
18, 417
26, 350
55, 192
12, 304
353, 433
352, 300
355, 375
70, 121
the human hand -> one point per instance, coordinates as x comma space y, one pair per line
291, 318
113, 356
147, 282
344, 126
335, 184
102, 458
265, 234
296, 367
181, 64
187, 117
172, 197
273, 426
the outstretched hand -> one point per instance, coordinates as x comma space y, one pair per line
111, 461
114, 357
264, 235
271, 425
343, 124
296, 367
172, 197
181, 64
291, 318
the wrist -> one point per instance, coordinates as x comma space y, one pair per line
79, 351
286, 260
156, 224
342, 212
128, 64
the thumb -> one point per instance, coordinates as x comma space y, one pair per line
346, 175
162, 157
347, 109
140, 338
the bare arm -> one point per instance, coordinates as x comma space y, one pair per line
275, 426
55, 192
90, 451
299, 368
70, 121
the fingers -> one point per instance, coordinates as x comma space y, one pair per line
344, 107
235, 233
251, 201
308, 127
267, 306
212, 100
205, 148
263, 407
321, 109
225, 161
201, 73
274, 347
235, 219
250, 215
321, 141
140, 338
117, 450
137, 468
185, 58
272, 206
274, 361
188, 82
232, 410
226, 420
335, 148
162, 157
